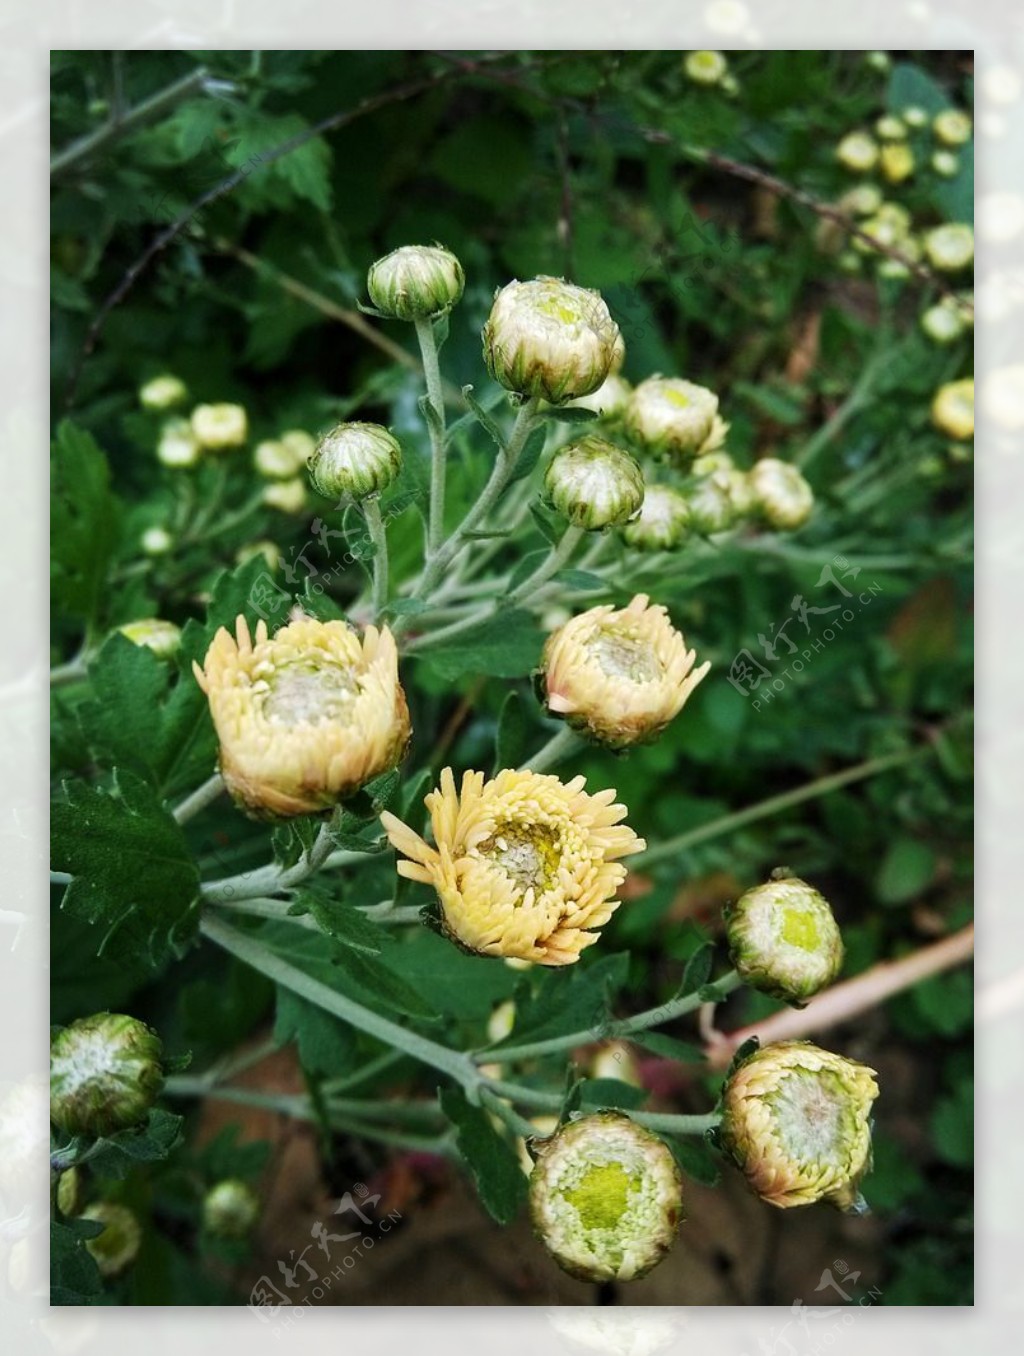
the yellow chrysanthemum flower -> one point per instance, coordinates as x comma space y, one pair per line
306, 718
525, 865
619, 676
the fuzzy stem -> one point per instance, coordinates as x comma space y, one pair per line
199, 799
558, 557
562, 744
379, 537
432, 371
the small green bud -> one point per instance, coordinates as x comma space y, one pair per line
781, 495
662, 523
358, 460
857, 152
608, 400
796, 1121
942, 323
880, 62
863, 200
605, 1198
288, 496
230, 1209
219, 428
162, 637
784, 940
156, 541
594, 484
945, 164
416, 282
896, 161
116, 1248
951, 247
551, 339
105, 1072
705, 68
70, 1191
671, 417
300, 444
952, 127
890, 128
953, 409
161, 393
275, 460
178, 447
915, 117
711, 504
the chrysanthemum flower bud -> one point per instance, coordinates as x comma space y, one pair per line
741, 492
863, 200
671, 417
501, 1021
953, 409
890, 128
288, 496
594, 484
605, 1198
795, 1119
525, 865
156, 541
951, 247
663, 522
357, 459
300, 444
943, 324
781, 494
715, 441
162, 637
609, 399
105, 1072
550, 338
178, 447
618, 355
416, 282
857, 152
784, 940
896, 161
710, 504
162, 393
275, 460
116, 1248
888, 227
881, 62
915, 116
710, 462
220, 427
705, 68
306, 718
230, 1209
952, 127
70, 1191
945, 164
619, 676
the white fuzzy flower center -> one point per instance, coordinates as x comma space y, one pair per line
812, 1118
623, 656
526, 853
304, 693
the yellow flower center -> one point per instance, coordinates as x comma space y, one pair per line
528, 853
799, 928
625, 656
675, 397
310, 693
601, 1197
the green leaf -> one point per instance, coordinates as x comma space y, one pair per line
325, 1044
668, 1047
75, 1277
487, 156
566, 414
291, 841
952, 1126
696, 1159
525, 567
133, 874
698, 969
581, 580
378, 982
530, 455
83, 523
909, 85
464, 987
561, 1004
343, 923
250, 591
506, 645
611, 1092
551, 527
118, 1155
482, 417
493, 1162
305, 171
906, 871
510, 745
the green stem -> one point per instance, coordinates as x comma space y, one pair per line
563, 744
670, 1122
269, 880
199, 799
559, 556
854, 402
379, 538
74, 671
432, 371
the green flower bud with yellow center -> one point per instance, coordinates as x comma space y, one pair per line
287, 496
524, 865
896, 162
951, 247
890, 128
162, 637
857, 152
594, 484
416, 282
796, 1121
619, 676
163, 393
608, 400
710, 503
784, 940
945, 164
116, 1248
605, 1198
943, 323
305, 718
671, 417
219, 428
663, 522
356, 459
551, 339
105, 1073
275, 460
230, 1209
952, 127
781, 495
953, 409
178, 447
705, 68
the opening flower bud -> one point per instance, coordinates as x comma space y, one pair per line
105, 1072
594, 484
951, 247
619, 677
551, 339
357, 460
220, 427
162, 637
710, 504
781, 495
952, 127
857, 152
953, 409
605, 1198
663, 522
608, 400
416, 282
306, 718
796, 1121
116, 1248
178, 447
784, 940
162, 393
671, 417
230, 1209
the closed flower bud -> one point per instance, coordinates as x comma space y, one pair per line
952, 127
741, 492
501, 1021
551, 339
663, 522
525, 865
594, 484
863, 200
781, 495
162, 637
105, 1072
710, 504
178, 447
619, 676
299, 443
857, 152
275, 460
288, 496
116, 1248
358, 460
784, 940
890, 128
230, 1209
70, 1191
880, 62
162, 393
896, 161
416, 282
796, 1120
888, 227
220, 427
605, 1198
608, 400
715, 441
705, 68
915, 117
307, 717
951, 247
945, 164
942, 323
953, 409
671, 417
